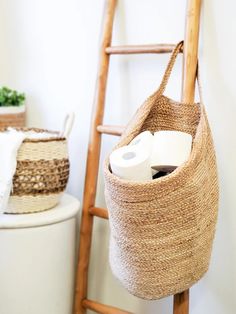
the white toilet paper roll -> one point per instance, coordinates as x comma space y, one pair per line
144, 139
170, 149
131, 163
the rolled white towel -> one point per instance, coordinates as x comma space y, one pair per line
10, 142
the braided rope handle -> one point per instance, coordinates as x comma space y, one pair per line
169, 68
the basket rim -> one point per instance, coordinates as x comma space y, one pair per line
37, 130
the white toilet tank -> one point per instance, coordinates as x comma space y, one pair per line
37, 260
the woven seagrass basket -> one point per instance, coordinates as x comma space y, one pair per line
12, 116
41, 175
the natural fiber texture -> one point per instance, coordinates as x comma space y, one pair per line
39, 150
32, 204
41, 174
162, 230
12, 119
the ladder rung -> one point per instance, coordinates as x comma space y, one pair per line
133, 49
111, 129
99, 212
101, 308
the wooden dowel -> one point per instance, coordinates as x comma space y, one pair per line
135, 49
93, 162
101, 308
99, 212
111, 129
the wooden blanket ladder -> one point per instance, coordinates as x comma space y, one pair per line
190, 53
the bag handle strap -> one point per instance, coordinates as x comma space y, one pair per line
170, 67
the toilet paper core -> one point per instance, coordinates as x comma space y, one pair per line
129, 155
131, 163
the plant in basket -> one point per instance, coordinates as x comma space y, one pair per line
12, 108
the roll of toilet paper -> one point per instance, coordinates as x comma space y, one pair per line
170, 149
131, 163
144, 139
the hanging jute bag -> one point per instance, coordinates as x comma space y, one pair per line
162, 230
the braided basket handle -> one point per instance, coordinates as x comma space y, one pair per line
169, 68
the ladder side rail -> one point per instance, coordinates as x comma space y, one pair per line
93, 162
190, 59
181, 300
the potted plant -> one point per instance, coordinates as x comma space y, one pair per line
12, 108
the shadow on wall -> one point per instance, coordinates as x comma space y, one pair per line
220, 99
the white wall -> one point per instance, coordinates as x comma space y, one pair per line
49, 49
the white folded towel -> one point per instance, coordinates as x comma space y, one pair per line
10, 142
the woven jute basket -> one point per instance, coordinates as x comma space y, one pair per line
162, 230
41, 174
12, 116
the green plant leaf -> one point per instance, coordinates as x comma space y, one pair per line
10, 97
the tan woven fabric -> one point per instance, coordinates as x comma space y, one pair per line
32, 204
162, 230
39, 150
41, 175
